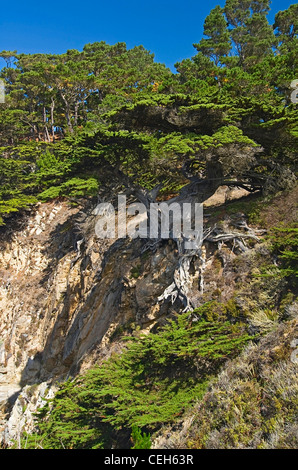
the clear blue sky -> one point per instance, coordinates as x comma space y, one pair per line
166, 28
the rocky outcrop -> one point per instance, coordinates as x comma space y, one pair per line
65, 294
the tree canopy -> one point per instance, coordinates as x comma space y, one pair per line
83, 118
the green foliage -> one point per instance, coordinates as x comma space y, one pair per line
140, 440
284, 241
218, 44
75, 122
14, 191
250, 31
74, 188
253, 402
286, 25
81, 117
218, 311
135, 271
251, 208
155, 379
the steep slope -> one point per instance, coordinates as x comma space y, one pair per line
67, 297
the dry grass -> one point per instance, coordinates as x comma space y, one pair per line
252, 404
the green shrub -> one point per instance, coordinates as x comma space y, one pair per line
74, 187
284, 242
139, 439
155, 379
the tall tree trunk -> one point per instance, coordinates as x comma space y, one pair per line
76, 111
67, 113
52, 118
46, 132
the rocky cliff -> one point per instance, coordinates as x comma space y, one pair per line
65, 295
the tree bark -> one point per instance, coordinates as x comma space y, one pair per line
52, 118
46, 132
67, 113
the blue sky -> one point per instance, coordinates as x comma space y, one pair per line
166, 28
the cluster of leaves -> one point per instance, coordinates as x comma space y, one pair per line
152, 382
13, 185
139, 439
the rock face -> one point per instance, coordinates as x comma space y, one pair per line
63, 293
